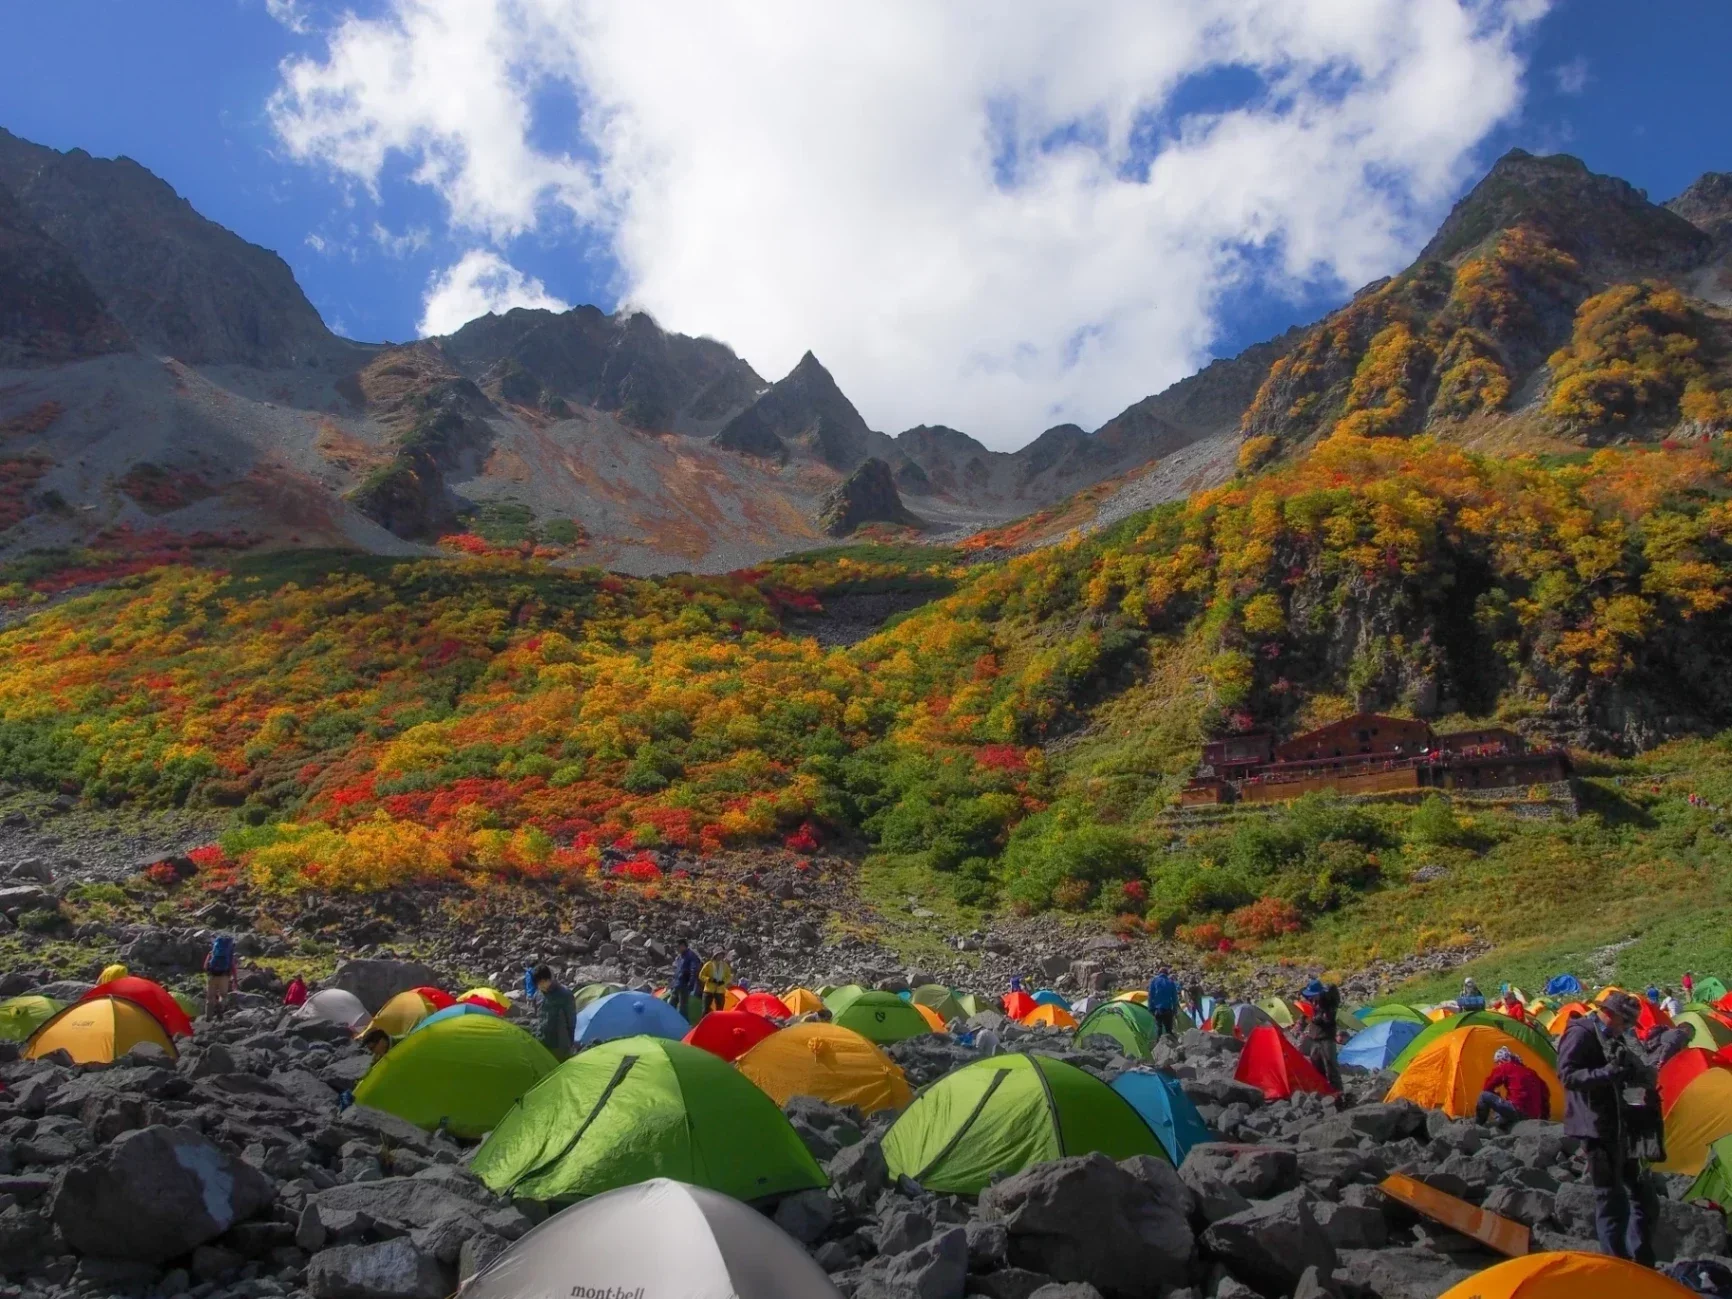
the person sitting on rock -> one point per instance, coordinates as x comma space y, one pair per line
1512, 1092
1163, 1001
296, 993
1471, 998
556, 1026
717, 976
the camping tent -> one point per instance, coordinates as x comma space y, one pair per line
1246, 1019
644, 1107
1709, 990
1564, 985
462, 1073
1567, 1276
454, 1011
152, 996
833, 1064
1450, 1072
1561, 1017
400, 1014
729, 1034
437, 998
1281, 1011
1376, 1047
591, 992
839, 998
628, 1014
1007, 1112
802, 1001
1160, 1099
333, 1006
1017, 1004
1683, 1069
1526, 1033
1127, 1023
487, 998
766, 1004
1048, 1015
1697, 1115
22, 1016
1138, 995
1272, 1063
1714, 1182
618, 1244
941, 999
934, 1020
1706, 1030
882, 1017
98, 1032
1047, 997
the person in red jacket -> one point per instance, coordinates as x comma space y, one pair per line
1512, 1092
296, 993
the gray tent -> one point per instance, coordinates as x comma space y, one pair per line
655, 1238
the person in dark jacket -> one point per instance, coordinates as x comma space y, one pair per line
1471, 998
1512, 1091
556, 1025
685, 981
1321, 1028
1595, 1067
1164, 1000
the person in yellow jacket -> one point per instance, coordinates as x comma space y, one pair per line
717, 977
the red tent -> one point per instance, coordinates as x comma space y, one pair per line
1017, 1004
1272, 1063
1683, 1069
152, 996
767, 1004
729, 1033
435, 998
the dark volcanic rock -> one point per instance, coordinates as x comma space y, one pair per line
49, 313
868, 495
808, 411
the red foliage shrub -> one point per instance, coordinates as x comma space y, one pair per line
805, 839
162, 874
1266, 918
1001, 757
1203, 936
1135, 891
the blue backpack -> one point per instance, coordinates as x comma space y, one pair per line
222, 955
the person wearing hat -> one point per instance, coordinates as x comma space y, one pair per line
1325, 1002
1604, 1082
1512, 1092
1471, 997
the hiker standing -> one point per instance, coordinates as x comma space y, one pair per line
219, 975
1512, 1091
556, 1025
1325, 1002
685, 981
1688, 984
1194, 1002
1163, 1001
717, 976
1599, 1074
1670, 1004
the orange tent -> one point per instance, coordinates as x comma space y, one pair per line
1018, 1004
1271, 1062
1567, 1276
152, 996
1561, 1017
802, 1001
729, 1033
1698, 1115
1683, 1069
1450, 1073
931, 1016
766, 1004
1046, 1016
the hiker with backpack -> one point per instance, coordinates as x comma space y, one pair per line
1164, 1001
1325, 1002
219, 975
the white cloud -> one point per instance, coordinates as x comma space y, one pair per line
1572, 77
479, 282
291, 14
316, 243
946, 202
412, 240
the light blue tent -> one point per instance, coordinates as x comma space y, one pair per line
1161, 1100
452, 1012
1047, 997
629, 1014
1563, 985
1376, 1047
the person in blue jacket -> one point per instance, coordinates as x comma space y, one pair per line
1163, 1000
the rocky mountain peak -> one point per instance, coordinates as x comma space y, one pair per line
1707, 204
49, 313
805, 410
868, 495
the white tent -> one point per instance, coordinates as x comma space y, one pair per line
658, 1238
333, 1006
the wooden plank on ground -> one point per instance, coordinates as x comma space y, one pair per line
1507, 1237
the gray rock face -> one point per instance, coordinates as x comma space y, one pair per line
1256, 1172
1270, 1245
375, 982
935, 1269
868, 495
390, 1269
154, 1194
858, 1174
1088, 1219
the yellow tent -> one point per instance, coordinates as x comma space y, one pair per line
1435, 1013
931, 1016
828, 1062
1140, 996
1450, 1073
400, 1014
98, 1031
802, 1001
112, 972
1049, 1016
1699, 1116
1567, 1276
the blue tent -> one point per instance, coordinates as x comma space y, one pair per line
1161, 1100
1047, 997
452, 1012
1564, 985
629, 1014
1377, 1046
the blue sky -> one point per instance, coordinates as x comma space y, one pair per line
183, 85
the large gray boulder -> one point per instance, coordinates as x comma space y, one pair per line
934, 1269
376, 981
1088, 1219
1255, 1172
391, 1269
155, 1194
1270, 1245
418, 1202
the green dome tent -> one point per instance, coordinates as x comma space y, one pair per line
644, 1107
465, 1072
1393, 1010
1127, 1023
879, 1016
1005, 1113
839, 998
22, 1016
595, 992
971, 1004
937, 997
1525, 1033
1709, 990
